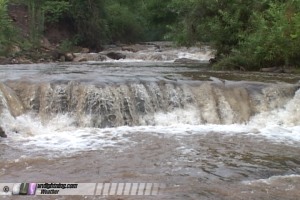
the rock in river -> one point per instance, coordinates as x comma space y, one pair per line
2, 133
116, 55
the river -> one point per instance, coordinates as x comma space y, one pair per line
201, 133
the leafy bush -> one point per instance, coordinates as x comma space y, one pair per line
275, 38
236, 61
55, 10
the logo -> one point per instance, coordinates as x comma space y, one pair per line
5, 189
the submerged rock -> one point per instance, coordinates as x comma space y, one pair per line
2, 133
116, 55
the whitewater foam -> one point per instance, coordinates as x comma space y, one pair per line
60, 136
273, 179
151, 54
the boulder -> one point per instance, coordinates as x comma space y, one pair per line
116, 55
2, 133
69, 57
213, 61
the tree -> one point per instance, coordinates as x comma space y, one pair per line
218, 22
36, 17
248, 34
7, 32
158, 16
124, 22
89, 22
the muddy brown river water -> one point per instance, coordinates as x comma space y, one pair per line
203, 134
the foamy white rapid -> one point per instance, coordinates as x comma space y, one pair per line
274, 180
160, 52
60, 135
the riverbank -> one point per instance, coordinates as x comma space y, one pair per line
56, 45
149, 52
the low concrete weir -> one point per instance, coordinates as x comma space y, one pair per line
140, 103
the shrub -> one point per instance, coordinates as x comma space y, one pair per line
123, 25
89, 22
55, 10
275, 38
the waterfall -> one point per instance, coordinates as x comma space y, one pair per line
149, 103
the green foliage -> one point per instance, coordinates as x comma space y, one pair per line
246, 34
36, 17
275, 38
55, 10
158, 16
67, 46
89, 22
7, 32
218, 22
236, 61
123, 25
265, 31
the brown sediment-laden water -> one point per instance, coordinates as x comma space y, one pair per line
204, 134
